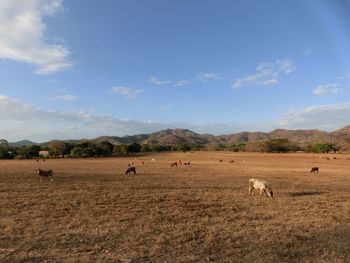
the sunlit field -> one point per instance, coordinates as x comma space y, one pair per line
93, 212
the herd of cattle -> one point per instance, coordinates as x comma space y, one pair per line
254, 184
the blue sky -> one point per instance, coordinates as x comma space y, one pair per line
83, 68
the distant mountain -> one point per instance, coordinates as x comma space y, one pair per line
23, 143
180, 136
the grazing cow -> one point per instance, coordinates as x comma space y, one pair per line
131, 169
173, 164
221, 161
43, 173
187, 163
334, 158
314, 170
231, 161
179, 162
260, 185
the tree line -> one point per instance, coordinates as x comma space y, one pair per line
83, 149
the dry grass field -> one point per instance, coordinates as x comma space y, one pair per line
93, 212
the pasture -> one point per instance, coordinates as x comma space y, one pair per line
93, 212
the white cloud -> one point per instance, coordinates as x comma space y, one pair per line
332, 88
324, 117
208, 76
19, 120
267, 73
166, 107
157, 81
65, 97
127, 92
307, 51
180, 83
22, 35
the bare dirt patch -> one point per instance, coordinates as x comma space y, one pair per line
93, 212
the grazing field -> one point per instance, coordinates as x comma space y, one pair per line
93, 212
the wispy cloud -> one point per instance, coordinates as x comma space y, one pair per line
127, 92
180, 83
166, 107
65, 97
157, 81
266, 74
208, 76
307, 51
332, 88
22, 35
324, 117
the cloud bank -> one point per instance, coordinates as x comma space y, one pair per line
22, 35
19, 120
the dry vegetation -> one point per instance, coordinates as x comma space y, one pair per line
93, 212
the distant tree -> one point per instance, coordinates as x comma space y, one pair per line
33, 151
325, 148
183, 147
134, 148
59, 148
278, 145
145, 148
120, 149
6, 152
104, 148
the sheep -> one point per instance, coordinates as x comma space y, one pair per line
43, 173
260, 185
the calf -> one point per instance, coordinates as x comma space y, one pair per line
260, 185
131, 169
43, 173
314, 170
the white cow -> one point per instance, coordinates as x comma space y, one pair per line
260, 185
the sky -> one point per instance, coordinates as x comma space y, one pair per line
84, 68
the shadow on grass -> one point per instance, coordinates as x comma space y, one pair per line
307, 193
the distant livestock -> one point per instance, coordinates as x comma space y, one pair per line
314, 170
173, 164
231, 161
43, 173
260, 185
221, 161
131, 169
187, 163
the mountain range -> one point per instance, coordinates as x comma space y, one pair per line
179, 136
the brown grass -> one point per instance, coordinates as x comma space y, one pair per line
93, 212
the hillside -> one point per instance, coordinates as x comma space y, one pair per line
182, 136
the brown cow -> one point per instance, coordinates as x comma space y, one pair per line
131, 169
43, 173
314, 170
